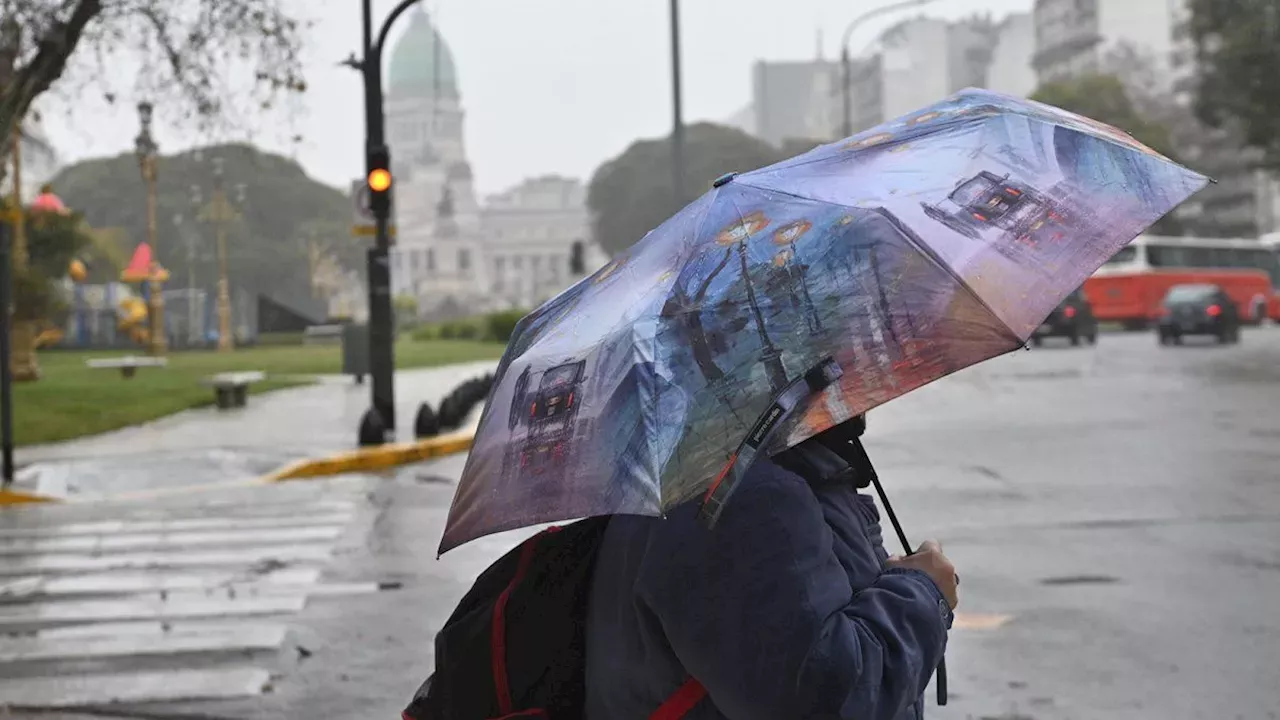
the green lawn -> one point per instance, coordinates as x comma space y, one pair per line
70, 400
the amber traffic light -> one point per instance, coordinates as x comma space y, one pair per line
380, 180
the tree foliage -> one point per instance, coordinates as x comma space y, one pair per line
282, 212
631, 194
1238, 54
188, 52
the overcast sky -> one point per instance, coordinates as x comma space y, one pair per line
549, 86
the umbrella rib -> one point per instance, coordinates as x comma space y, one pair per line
924, 250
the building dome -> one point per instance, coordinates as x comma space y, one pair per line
421, 63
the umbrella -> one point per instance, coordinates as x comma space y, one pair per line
789, 299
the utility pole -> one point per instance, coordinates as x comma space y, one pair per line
846, 62
677, 109
379, 421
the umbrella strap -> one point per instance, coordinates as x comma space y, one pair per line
814, 381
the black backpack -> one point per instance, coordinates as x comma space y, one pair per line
515, 646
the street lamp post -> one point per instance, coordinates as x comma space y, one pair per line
380, 420
220, 213
846, 63
146, 149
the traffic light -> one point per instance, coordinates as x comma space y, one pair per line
577, 263
379, 181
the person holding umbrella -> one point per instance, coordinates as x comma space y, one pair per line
790, 608
724, 565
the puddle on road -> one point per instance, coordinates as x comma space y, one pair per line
1080, 580
152, 471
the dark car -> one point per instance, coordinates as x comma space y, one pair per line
1072, 319
1199, 309
553, 409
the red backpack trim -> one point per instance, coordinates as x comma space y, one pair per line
682, 702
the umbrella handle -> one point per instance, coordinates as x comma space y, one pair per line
860, 460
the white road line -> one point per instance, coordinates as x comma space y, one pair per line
163, 540
167, 686
295, 518
68, 563
218, 639
133, 582
25, 618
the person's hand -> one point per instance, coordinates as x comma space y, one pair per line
930, 560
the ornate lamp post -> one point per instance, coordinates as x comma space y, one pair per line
220, 212
146, 149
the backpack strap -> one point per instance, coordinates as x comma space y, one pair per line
679, 704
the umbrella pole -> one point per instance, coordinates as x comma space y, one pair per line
863, 464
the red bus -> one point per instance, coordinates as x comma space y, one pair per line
1128, 289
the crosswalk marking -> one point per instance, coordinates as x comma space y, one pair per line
121, 583
169, 686
164, 540
94, 599
220, 639
54, 563
27, 617
331, 516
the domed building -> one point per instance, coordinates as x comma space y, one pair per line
453, 256
436, 257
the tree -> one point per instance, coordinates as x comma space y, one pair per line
186, 51
1104, 97
631, 194
284, 214
1238, 52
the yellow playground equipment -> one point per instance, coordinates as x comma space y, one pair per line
132, 314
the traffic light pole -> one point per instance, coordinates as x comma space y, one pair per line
382, 413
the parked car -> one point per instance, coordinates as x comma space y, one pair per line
1198, 309
1072, 319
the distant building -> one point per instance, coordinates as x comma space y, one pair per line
529, 233
1010, 70
40, 162
919, 62
1073, 36
783, 95
1078, 37
453, 256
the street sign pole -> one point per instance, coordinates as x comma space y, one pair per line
6, 358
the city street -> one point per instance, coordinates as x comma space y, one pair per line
1114, 513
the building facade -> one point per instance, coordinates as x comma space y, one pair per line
1073, 36
921, 61
1011, 70
452, 255
529, 232
40, 162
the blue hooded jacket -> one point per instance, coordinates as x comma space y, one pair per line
784, 610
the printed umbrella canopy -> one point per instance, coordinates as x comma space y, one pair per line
789, 299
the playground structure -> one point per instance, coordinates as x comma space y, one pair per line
134, 311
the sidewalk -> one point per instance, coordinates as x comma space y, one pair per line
205, 445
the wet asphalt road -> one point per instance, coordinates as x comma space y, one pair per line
1114, 512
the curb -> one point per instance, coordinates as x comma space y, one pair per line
380, 457
14, 497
